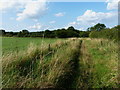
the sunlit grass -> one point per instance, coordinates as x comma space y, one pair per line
10, 44
103, 59
71, 63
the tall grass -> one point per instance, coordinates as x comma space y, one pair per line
99, 64
72, 63
28, 69
64, 65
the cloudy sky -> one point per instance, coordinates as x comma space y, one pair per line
38, 15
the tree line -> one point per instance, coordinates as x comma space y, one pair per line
97, 31
59, 33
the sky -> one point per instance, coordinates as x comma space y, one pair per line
39, 15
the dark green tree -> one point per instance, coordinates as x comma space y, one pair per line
25, 31
71, 28
2, 32
97, 27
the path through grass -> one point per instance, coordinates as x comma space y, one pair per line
71, 63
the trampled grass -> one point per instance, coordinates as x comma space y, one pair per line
99, 64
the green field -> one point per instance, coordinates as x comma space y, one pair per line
10, 44
65, 63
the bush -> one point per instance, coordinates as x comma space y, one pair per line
107, 33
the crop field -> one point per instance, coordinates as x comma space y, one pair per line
59, 63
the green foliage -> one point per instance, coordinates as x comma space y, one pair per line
2, 32
97, 31
67, 33
97, 27
59, 33
84, 33
23, 33
107, 33
49, 34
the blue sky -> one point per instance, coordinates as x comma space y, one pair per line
38, 16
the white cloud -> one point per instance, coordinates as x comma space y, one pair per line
33, 10
37, 26
52, 22
11, 4
60, 14
112, 4
35, 20
72, 23
90, 18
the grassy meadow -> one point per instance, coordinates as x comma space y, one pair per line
59, 63
10, 44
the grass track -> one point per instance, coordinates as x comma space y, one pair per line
98, 64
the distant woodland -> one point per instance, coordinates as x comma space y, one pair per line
97, 31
